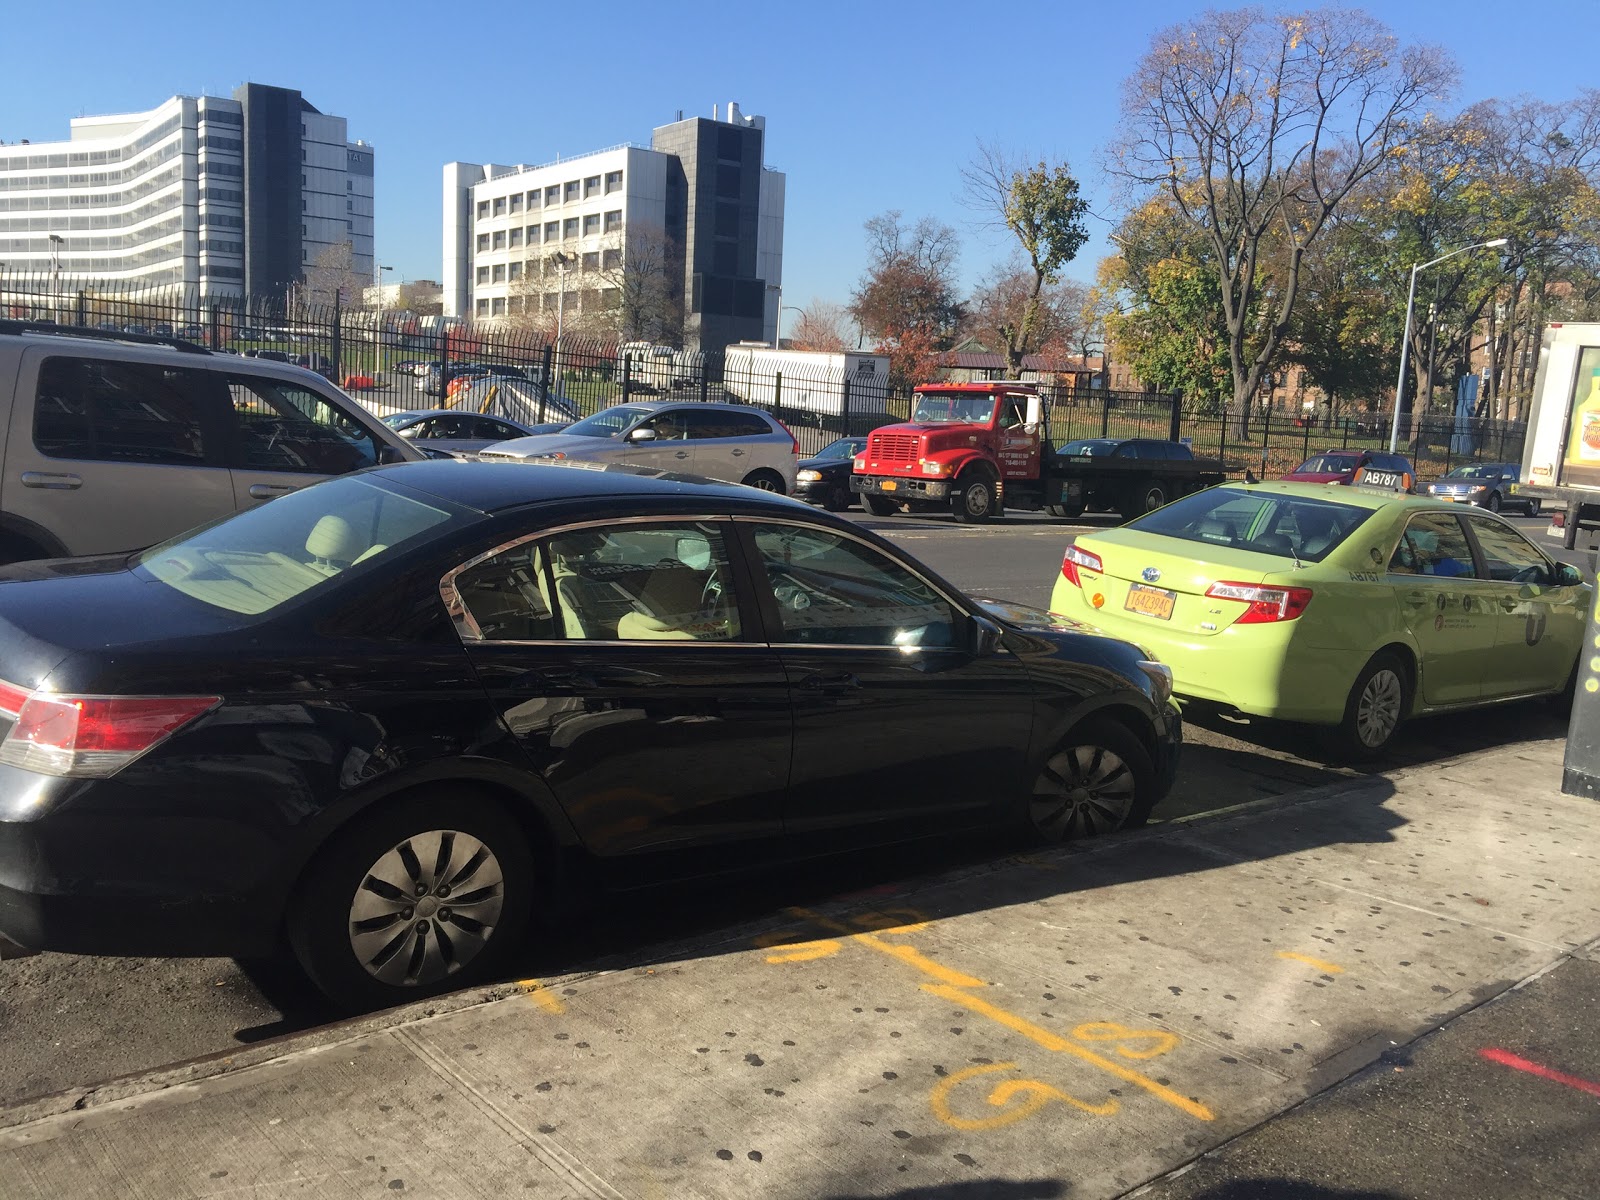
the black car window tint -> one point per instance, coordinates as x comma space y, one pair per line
747, 425
649, 583
703, 424
1433, 544
285, 427
1510, 557
107, 411
669, 426
511, 596
831, 589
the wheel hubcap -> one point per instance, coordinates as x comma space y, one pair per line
1378, 711
977, 499
1083, 791
400, 930
764, 484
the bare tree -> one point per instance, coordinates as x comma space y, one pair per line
1039, 204
1257, 126
641, 276
332, 273
822, 325
1012, 309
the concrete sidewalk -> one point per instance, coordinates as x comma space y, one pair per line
1077, 1022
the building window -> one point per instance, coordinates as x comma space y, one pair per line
497, 307
572, 190
349, 206
533, 235
614, 220
514, 272
591, 261
611, 260
349, 185
516, 203
613, 182
481, 308
569, 228
483, 275
552, 230
533, 199
515, 240
591, 224
499, 206
483, 210
591, 186
483, 241
499, 275
499, 242
552, 195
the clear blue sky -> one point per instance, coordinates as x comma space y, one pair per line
869, 105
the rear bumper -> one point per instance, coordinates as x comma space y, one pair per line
899, 489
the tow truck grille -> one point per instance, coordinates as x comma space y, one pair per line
892, 447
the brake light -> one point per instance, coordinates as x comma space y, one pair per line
90, 736
794, 447
1266, 604
1075, 558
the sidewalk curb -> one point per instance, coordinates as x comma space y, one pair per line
140, 1084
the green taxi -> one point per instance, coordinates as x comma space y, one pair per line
1339, 607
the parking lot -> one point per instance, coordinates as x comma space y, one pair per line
73, 1022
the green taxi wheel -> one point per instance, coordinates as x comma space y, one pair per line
1378, 702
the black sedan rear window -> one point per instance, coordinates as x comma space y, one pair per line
1264, 522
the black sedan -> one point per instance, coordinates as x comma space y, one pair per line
825, 479
381, 718
456, 433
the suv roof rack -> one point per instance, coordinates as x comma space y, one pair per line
8, 325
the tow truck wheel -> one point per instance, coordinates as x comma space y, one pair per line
1066, 512
878, 506
974, 501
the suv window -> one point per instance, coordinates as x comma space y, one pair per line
723, 423
100, 410
1433, 544
670, 426
832, 589
285, 427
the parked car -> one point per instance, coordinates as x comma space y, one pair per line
1488, 485
1356, 466
531, 404
458, 433
825, 478
432, 384
720, 441
115, 445
247, 334
313, 361
383, 715
412, 366
268, 354
141, 330
1351, 609
161, 330
193, 333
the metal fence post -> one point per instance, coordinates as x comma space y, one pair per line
777, 390
1175, 419
1266, 437
1346, 443
627, 376
444, 363
1305, 448
1105, 415
82, 310
844, 409
546, 365
1222, 442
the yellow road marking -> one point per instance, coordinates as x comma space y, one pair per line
543, 996
1051, 1041
1327, 968
1036, 1094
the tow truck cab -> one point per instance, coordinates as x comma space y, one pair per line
969, 447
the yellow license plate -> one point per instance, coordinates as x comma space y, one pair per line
1153, 602
890, 485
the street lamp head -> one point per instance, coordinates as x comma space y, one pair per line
1497, 242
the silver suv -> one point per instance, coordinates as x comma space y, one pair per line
719, 441
110, 443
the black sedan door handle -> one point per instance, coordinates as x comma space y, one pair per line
835, 683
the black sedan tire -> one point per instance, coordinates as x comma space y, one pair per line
1534, 506
1099, 780
1493, 503
426, 895
837, 500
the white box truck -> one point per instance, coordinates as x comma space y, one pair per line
1561, 458
807, 380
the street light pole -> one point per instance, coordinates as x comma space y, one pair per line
1405, 337
560, 258
56, 242
377, 321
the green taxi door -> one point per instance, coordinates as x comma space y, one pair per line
1448, 610
1539, 621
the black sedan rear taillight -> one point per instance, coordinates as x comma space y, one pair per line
89, 736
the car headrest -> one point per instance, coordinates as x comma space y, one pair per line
333, 539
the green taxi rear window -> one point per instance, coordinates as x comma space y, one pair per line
1292, 527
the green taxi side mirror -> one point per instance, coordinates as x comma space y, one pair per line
1568, 575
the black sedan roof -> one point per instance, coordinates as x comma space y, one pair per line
493, 487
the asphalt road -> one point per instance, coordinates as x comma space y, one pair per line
70, 1022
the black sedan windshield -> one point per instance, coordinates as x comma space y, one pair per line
843, 448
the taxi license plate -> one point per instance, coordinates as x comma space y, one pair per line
890, 485
1153, 602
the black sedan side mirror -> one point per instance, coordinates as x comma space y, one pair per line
985, 637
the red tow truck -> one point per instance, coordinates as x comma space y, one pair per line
975, 449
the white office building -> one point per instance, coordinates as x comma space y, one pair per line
225, 195
524, 241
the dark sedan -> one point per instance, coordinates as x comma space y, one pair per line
379, 719
1487, 485
458, 434
825, 479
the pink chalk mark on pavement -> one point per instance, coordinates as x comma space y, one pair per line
1517, 1063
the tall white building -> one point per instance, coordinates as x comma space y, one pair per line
227, 195
525, 239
